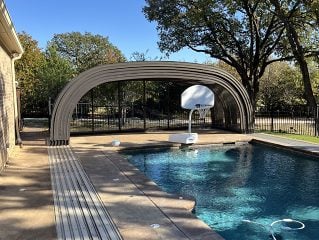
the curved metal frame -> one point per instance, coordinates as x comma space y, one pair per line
204, 74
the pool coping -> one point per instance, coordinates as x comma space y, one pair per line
309, 149
254, 139
23, 161
182, 205
176, 209
144, 182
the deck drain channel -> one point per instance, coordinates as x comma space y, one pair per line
79, 211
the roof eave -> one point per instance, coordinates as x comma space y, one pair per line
8, 35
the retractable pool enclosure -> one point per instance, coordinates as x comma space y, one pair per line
232, 109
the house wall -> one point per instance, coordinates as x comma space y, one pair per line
7, 103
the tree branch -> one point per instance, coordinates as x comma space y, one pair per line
219, 43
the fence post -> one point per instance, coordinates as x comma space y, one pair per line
92, 109
272, 120
50, 113
168, 104
317, 121
119, 105
144, 105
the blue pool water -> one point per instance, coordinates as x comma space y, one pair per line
236, 183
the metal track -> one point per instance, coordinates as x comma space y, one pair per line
79, 211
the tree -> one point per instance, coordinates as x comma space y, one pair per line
27, 69
85, 51
54, 73
143, 56
243, 34
301, 33
314, 77
312, 6
231, 70
280, 86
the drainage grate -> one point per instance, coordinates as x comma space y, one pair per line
79, 212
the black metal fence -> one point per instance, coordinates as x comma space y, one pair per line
88, 118
145, 105
301, 120
36, 111
124, 106
91, 118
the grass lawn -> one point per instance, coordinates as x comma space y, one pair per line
297, 137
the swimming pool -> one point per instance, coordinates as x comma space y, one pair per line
233, 184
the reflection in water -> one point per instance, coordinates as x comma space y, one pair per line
230, 184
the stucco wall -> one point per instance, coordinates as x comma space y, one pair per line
7, 103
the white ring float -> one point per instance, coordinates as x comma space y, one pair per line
285, 220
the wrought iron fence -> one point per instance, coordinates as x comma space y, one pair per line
145, 105
293, 119
127, 106
90, 118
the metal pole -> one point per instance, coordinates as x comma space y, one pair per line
50, 113
190, 121
317, 121
144, 103
168, 104
119, 105
92, 109
272, 120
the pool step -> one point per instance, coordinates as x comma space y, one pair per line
79, 211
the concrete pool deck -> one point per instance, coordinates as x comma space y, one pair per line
296, 145
133, 201
26, 203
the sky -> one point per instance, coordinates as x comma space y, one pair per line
122, 21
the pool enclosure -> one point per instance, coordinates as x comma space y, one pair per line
140, 96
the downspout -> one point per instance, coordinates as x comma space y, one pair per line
14, 57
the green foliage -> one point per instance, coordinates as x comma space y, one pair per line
231, 70
300, 38
43, 74
305, 138
299, 17
243, 34
54, 74
314, 76
246, 35
27, 73
85, 51
280, 86
143, 56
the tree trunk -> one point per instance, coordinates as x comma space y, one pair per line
252, 87
298, 53
300, 58
308, 93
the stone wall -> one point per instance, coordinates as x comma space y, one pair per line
7, 103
